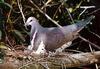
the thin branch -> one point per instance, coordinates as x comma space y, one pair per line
8, 17
70, 15
9, 14
94, 11
96, 66
94, 34
26, 65
20, 8
48, 17
46, 4
58, 8
57, 11
85, 8
90, 48
94, 45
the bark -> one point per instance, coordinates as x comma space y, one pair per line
71, 60
63, 60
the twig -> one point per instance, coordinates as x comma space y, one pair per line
20, 8
96, 66
90, 48
94, 54
70, 15
72, 50
94, 34
44, 65
12, 48
85, 8
96, 46
56, 11
26, 65
46, 4
9, 15
48, 17
94, 11
20, 17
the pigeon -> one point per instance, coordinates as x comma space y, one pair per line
54, 37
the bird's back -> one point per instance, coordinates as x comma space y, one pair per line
56, 37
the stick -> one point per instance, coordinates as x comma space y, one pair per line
20, 8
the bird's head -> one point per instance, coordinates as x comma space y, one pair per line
31, 21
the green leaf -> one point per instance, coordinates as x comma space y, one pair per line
3, 47
1, 1
19, 34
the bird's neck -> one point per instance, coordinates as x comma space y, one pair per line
35, 28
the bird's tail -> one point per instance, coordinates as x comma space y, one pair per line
81, 24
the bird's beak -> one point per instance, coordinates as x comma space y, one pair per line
26, 26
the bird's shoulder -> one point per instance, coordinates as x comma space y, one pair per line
53, 32
53, 29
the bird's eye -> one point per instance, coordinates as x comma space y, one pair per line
30, 20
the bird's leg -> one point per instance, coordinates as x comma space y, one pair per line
63, 47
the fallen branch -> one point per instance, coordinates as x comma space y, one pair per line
71, 60
62, 60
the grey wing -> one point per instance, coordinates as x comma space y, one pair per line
54, 39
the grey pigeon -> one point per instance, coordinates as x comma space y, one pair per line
53, 37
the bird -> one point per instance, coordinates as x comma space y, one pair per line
54, 37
